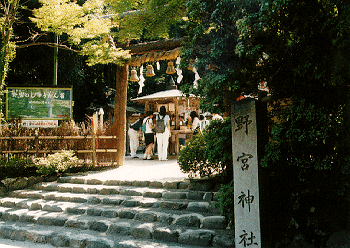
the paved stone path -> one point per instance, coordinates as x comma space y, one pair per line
139, 169
140, 204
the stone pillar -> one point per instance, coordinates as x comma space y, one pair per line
245, 172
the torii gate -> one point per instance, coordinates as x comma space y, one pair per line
141, 53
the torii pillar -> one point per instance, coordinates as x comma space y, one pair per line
119, 124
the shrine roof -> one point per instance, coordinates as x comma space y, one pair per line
162, 95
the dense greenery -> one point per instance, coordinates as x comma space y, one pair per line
209, 153
226, 202
299, 48
213, 39
58, 163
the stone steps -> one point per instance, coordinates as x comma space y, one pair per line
148, 214
69, 237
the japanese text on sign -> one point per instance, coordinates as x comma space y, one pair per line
242, 122
244, 159
247, 239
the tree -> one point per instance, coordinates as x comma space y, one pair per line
213, 39
299, 48
303, 46
8, 16
91, 20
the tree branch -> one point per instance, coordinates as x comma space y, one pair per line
155, 46
49, 44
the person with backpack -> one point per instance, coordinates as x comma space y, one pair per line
162, 130
134, 133
147, 129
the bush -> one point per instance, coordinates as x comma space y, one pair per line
225, 202
209, 153
56, 163
16, 166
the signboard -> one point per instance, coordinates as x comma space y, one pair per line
40, 123
39, 103
245, 172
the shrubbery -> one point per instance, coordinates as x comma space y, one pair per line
56, 163
18, 166
225, 202
209, 153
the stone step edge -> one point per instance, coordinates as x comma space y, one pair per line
64, 237
58, 218
15, 200
137, 183
176, 208
184, 184
120, 199
135, 191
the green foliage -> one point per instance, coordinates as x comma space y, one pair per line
16, 166
192, 158
56, 163
290, 38
147, 19
210, 153
225, 202
87, 25
304, 136
212, 40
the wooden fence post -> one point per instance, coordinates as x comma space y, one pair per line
36, 143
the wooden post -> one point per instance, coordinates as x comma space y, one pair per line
93, 148
36, 143
119, 126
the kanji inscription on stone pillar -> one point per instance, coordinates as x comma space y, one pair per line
245, 172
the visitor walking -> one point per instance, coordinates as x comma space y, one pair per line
134, 133
162, 133
149, 135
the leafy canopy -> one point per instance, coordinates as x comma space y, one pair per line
85, 25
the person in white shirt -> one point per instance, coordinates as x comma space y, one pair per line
163, 138
204, 122
149, 135
134, 133
196, 123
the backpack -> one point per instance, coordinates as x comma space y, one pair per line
160, 126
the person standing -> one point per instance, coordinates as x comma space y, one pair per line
134, 133
163, 137
149, 135
204, 122
196, 123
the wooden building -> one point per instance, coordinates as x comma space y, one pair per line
176, 104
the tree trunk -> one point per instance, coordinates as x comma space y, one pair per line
119, 125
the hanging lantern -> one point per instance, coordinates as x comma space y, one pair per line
134, 77
150, 71
170, 69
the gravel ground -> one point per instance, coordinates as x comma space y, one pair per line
135, 169
8, 243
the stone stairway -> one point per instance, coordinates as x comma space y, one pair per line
79, 212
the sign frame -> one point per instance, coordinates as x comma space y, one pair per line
39, 102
